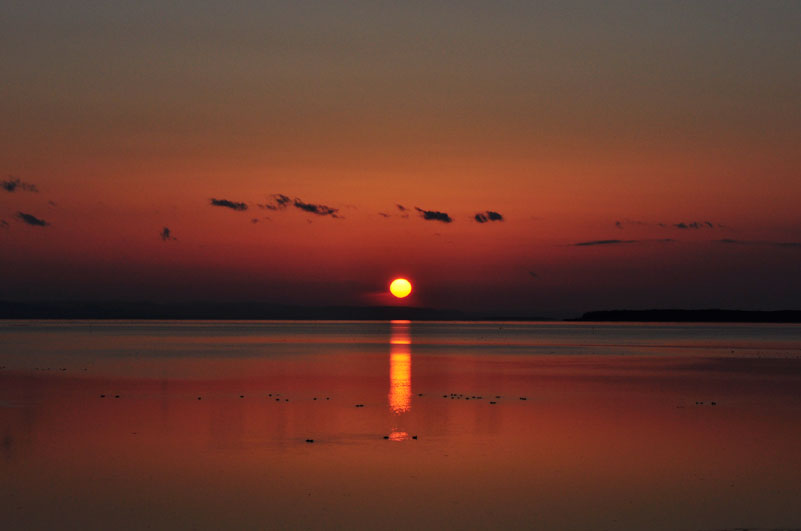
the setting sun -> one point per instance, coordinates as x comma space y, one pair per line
400, 287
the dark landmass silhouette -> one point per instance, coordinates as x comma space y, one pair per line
237, 310
694, 316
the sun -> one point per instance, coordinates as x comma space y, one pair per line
400, 287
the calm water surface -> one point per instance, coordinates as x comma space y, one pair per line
415, 425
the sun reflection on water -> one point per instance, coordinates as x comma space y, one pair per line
400, 369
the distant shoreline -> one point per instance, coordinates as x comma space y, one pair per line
692, 316
110, 310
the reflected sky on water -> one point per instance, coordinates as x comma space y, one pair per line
211, 425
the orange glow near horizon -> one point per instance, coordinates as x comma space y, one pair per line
400, 287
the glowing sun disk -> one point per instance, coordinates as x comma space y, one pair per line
400, 287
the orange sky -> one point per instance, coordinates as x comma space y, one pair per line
565, 119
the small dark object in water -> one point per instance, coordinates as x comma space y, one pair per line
309, 440
286, 400
116, 396
359, 405
414, 437
444, 396
419, 394
492, 402
386, 436
102, 396
241, 396
277, 399
200, 398
327, 398
714, 403
523, 398
497, 397
315, 398
270, 394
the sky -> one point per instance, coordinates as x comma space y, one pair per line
544, 158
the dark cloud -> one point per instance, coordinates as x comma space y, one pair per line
780, 245
166, 234
695, 225
233, 205
603, 242
683, 225
280, 201
489, 215
30, 219
621, 242
12, 184
319, 210
434, 215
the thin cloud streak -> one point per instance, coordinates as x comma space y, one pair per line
434, 215
319, 210
32, 220
12, 184
233, 205
489, 215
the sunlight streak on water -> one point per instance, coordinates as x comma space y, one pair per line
400, 368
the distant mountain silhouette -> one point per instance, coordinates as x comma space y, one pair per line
694, 316
234, 310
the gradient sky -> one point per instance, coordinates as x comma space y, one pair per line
664, 135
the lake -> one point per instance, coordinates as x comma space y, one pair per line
390, 425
